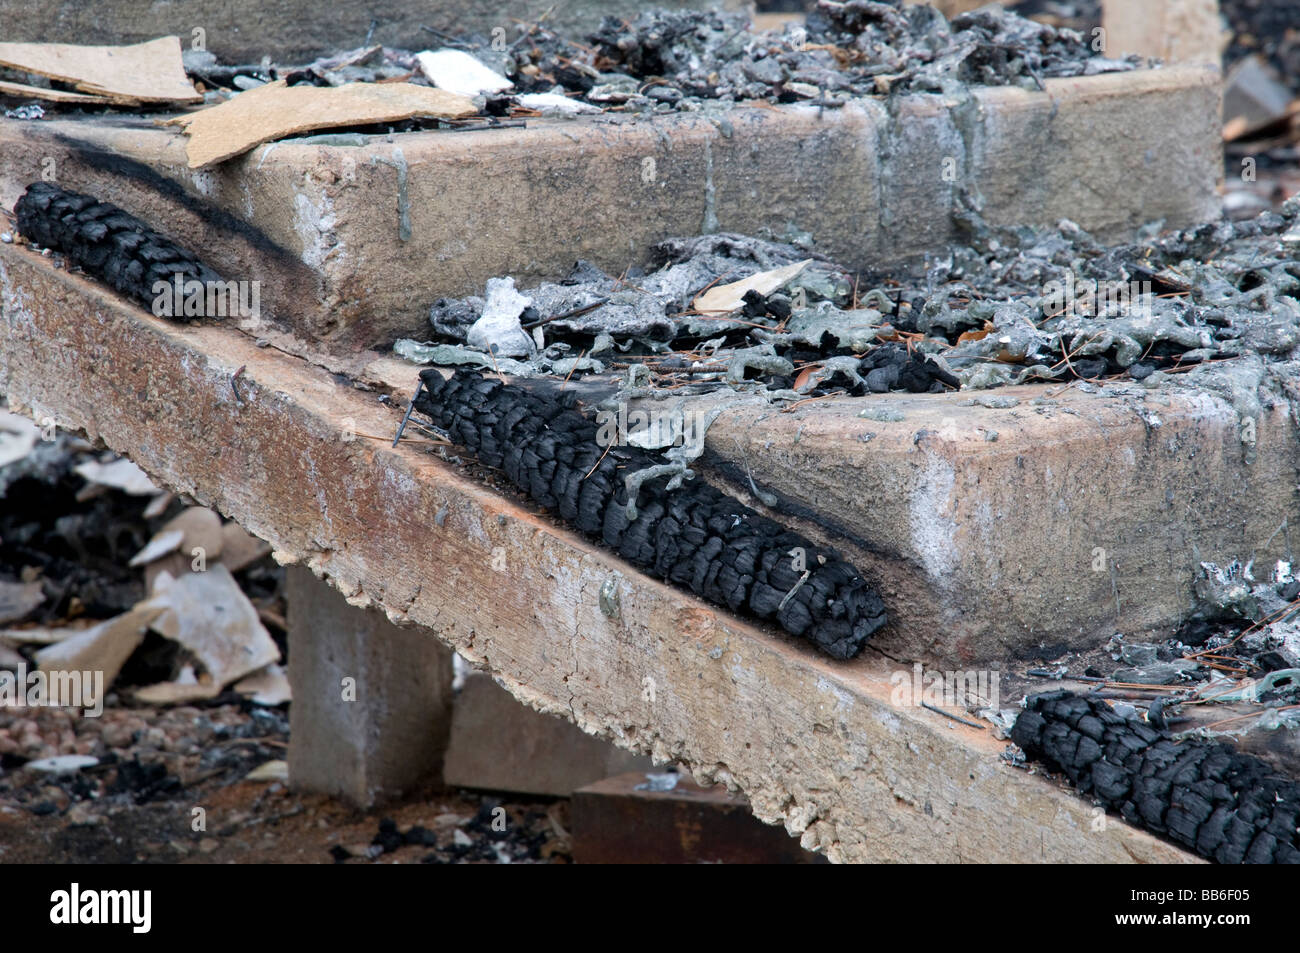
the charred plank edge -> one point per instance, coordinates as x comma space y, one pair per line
1206, 796
695, 536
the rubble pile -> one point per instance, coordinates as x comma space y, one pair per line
680, 59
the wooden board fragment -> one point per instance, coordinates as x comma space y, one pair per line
145, 73
275, 111
52, 95
724, 299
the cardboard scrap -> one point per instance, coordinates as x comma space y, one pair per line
149, 72
724, 299
208, 614
17, 437
275, 111
194, 528
239, 548
103, 648
119, 474
188, 687
163, 544
270, 686
269, 771
23, 91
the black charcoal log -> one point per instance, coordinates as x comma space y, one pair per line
694, 536
1223, 805
106, 242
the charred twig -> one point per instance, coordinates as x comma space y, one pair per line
947, 714
571, 313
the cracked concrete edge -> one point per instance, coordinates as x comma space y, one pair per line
994, 546
818, 746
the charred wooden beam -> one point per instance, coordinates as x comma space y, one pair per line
694, 536
106, 242
1224, 805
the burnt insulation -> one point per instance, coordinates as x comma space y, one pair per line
693, 536
1223, 805
104, 241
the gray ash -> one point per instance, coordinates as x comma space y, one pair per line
675, 59
645, 318
1023, 304
1009, 306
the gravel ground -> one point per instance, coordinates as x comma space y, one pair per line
158, 767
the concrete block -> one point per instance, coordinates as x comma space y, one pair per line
1087, 515
1176, 31
318, 225
371, 702
620, 821
497, 744
243, 31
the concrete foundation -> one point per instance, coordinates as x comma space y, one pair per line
824, 748
371, 702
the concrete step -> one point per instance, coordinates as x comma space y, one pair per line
301, 458
1020, 532
320, 226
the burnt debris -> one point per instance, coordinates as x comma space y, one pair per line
693, 536
1005, 306
664, 59
686, 60
810, 337
106, 242
1224, 806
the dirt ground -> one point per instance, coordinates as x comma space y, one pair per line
170, 787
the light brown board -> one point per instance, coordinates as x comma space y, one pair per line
147, 72
275, 110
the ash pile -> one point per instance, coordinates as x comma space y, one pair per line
666, 60
1007, 306
857, 48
